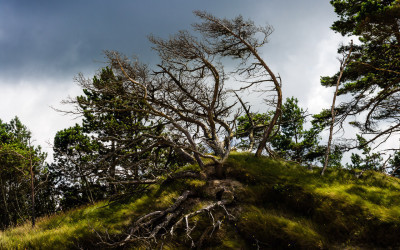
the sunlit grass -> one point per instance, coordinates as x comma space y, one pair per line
77, 228
345, 208
60, 231
271, 227
281, 205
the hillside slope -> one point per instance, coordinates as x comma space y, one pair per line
271, 204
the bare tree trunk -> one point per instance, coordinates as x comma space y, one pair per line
278, 107
268, 131
87, 189
252, 126
328, 149
32, 187
5, 202
113, 187
253, 51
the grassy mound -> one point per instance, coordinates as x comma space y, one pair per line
276, 205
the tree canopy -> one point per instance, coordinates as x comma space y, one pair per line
372, 76
23, 176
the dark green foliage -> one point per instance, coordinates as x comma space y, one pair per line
394, 164
335, 157
115, 127
369, 160
77, 181
123, 128
372, 77
114, 145
244, 127
359, 16
294, 142
15, 179
290, 140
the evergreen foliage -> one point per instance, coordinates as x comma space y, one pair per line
74, 156
369, 161
290, 140
101, 157
16, 154
372, 77
244, 127
293, 142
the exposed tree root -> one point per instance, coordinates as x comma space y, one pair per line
146, 228
208, 210
156, 225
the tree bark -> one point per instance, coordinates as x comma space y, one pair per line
32, 187
328, 149
7, 223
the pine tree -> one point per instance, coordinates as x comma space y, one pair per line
373, 77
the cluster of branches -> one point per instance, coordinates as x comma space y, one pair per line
136, 116
289, 140
370, 72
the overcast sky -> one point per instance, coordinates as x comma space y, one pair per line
45, 43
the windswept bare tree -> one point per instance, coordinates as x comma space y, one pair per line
186, 93
241, 39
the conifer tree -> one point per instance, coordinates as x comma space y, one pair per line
373, 77
22, 169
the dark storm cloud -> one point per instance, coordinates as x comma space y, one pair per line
45, 43
62, 38
53, 37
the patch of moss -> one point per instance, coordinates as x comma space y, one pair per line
346, 209
272, 230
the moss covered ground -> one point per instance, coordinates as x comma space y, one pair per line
279, 205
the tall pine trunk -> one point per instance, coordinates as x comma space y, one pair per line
328, 148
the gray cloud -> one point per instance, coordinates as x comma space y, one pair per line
64, 37
44, 44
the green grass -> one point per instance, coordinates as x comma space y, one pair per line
281, 205
271, 228
338, 207
76, 228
